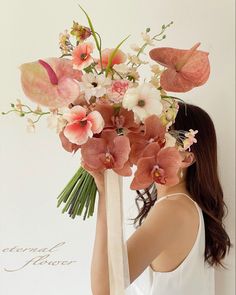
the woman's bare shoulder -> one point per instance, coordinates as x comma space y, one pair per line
176, 209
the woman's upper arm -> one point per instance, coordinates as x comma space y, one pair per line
160, 228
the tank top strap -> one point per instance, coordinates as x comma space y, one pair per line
174, 194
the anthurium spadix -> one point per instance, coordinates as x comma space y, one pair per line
185, 69
50, 82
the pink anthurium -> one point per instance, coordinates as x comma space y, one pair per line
50, 82
186, 69
110, 151
157, 165
82, 126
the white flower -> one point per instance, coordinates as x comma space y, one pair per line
155, 81
121, 68
170, 140
191, 134
156, 69
18, 105
189, 140
38, 109
143, 100
94, 85
55, 121
30, 126
135, 47
133, 73
147, 39
134, 59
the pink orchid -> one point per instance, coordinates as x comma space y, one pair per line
120, 57
81, 126
157, 165
186, 69
117, 117
81, 56
110, 151
154, 131
51, 82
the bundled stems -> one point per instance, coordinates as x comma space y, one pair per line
80, 192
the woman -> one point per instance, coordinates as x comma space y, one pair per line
182, 237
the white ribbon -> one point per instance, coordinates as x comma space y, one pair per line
119, 277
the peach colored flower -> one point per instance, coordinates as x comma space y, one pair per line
81, 126
120, 57
81, 56
51, 82
109, 151
186, 69
157, 165
154, 131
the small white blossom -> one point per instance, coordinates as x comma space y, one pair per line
55, 121
134, 59
135, 47
133, 73
147, 39
156, 69
38, 109
30, 126
18, 105
121, 68
170, 140
155, 82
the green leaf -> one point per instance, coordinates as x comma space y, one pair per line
92, 28
113, 54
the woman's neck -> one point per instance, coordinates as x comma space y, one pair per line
163, 190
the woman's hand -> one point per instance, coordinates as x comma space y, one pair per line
98, 178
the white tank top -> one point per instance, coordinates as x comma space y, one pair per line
192, 277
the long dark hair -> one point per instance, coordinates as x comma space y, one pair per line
202, 182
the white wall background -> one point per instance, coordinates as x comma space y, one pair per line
34, 168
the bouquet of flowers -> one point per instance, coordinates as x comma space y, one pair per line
100, 106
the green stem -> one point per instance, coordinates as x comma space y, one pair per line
86, 195
73, 193
153, 38
93, 198
63, 196
100, 50
80, 197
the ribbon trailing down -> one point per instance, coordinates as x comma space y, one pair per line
118, 265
